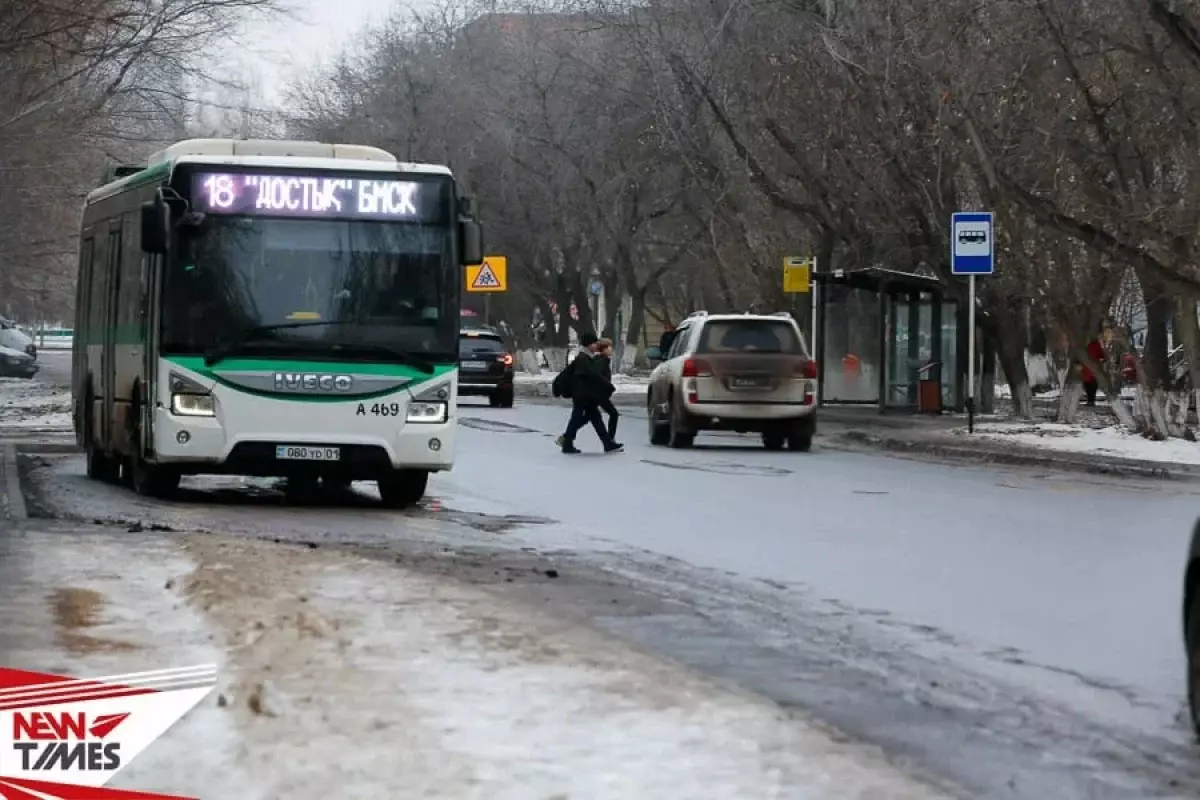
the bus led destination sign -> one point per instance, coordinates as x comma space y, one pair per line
319, 196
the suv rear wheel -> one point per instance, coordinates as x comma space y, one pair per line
800, 438
679, 434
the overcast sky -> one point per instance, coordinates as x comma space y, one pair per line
274, 53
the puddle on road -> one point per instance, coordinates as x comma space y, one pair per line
726, 468
76, 610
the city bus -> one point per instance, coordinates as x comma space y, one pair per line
274, 309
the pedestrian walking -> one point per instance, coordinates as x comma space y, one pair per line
586, 388
604, 354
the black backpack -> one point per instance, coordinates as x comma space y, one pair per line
562, 383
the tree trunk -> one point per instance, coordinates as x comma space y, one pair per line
1068, 401
633, 332
1189, 335
987, 391
1011, 353
1159, 306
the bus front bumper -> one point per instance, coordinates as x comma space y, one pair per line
202, 445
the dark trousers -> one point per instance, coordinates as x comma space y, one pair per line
582, 414
1090, 387
613, 416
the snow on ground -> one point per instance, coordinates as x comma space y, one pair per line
33, 404
1108, 441
343, 677
624, 384
1004, 392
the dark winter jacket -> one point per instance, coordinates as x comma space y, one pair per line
587, 383
604, 369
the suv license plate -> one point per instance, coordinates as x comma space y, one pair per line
474, 365
301, 453
748, 383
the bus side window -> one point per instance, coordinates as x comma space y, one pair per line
95, 317
130, 270
83, 297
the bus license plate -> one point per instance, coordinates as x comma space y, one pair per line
300, 453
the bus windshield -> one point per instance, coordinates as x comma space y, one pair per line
326, 282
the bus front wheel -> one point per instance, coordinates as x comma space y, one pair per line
148, 480
403, 488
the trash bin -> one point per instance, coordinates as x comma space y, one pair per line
929, 388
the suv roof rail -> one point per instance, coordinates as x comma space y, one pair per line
697, 314
786, 314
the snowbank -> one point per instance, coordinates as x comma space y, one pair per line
346, 677
1005, 393
1110, 441
33, 404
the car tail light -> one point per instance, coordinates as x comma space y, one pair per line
507, 359
697, 368
806, 370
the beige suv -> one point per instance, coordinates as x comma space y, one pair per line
735, 372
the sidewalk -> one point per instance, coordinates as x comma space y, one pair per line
999, 439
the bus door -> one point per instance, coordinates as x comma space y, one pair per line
152, 267
108, 361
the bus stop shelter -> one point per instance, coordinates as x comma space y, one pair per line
889, 339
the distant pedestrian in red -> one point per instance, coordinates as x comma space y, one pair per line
1095, 352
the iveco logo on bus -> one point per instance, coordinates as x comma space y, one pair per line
312, 382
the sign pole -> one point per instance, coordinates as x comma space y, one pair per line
972, 253
970, 354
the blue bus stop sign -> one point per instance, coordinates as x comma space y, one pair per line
972, 244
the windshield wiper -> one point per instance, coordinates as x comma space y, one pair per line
255, 335
398, 356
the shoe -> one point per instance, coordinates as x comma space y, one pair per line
559, 441
569, 449
614, 447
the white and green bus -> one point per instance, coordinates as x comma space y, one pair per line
271, 308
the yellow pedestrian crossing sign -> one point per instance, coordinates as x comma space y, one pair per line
797, 275
490, 276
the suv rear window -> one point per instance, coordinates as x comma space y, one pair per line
749, 336
470, 345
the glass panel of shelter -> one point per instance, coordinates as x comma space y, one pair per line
909, 346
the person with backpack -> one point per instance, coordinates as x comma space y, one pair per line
583, 383
604, 353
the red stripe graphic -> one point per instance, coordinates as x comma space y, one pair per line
20, 788
43, 689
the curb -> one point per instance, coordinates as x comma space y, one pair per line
1096, 465
12, 483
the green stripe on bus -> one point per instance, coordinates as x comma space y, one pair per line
416, 377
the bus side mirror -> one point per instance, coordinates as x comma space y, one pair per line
472, 242
156, 226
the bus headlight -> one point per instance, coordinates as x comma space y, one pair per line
192, 405
426, 412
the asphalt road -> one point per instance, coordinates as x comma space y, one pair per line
1015, 632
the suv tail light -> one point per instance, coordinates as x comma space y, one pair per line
806, 370
697, 368
507, 359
